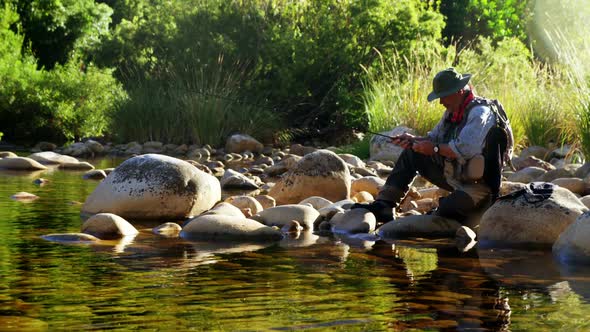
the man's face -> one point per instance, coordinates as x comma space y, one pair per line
452, 102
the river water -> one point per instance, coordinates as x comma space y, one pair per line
313, 282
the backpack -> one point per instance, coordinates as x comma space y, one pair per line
503, 122
498, 147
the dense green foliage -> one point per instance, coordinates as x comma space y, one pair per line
57, 30
65, 103
467, 20
303, 59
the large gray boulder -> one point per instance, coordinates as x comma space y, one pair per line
573, 245
381, 148
154, 186
224, 227
419, 226
321, 173
523, 220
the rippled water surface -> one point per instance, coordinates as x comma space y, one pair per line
152, 283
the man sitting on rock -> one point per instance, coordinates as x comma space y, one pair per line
464, 153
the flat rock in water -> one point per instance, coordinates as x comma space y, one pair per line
52, 158
20, 163
24, 196
71, 237
222, 227
80, 166
419, 226
169, 229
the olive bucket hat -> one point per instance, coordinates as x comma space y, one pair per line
447, 82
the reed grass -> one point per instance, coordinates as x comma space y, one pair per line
198, 106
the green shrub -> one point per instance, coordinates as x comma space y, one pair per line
66, 103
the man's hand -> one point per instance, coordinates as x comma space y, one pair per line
404, 140
424, 147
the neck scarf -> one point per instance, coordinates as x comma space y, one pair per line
457, 117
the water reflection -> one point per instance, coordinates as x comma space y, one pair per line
526, 269
310, 281
301, 239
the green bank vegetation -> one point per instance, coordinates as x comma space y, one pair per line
195, 71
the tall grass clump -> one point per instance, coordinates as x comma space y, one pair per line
568, 47
190, 105
396, 93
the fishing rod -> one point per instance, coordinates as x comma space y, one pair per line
382, 135
393, 138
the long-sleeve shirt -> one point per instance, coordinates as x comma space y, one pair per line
466, 141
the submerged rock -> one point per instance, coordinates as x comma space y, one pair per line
169, 229
77, 166
96, 174
24, 196
108, 226
71, 237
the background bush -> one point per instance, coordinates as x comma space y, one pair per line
303, 59
66, 103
